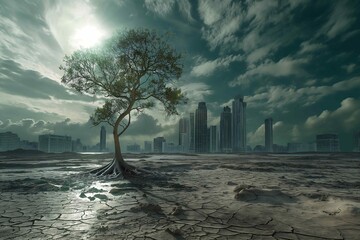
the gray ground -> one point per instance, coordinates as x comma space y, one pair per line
298, 197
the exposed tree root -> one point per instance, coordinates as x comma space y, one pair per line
116, 170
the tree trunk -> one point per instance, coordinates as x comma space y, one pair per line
117, 166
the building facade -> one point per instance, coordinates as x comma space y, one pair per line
102, 139
158, 144
9, 141
213, 139
184, 135
239, 124
147, 147
192, 133
269, 135
225, 130
327, 143
134, 148
55, 143
201, 130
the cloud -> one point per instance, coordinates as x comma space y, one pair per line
18, 81
346, 117
308, 47
185, 9
207, 68
222, 19
27, 39
284, 67
340, 20
279, 97
196, 92
349, 68
161, 7
143, 126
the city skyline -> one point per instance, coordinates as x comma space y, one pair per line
296, 61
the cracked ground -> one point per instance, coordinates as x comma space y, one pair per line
294, 197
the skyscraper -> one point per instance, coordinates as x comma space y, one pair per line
225, 130
239, 124
9, 141
54, 143
158, 144
327, 143
147, 147
184, 134
213, 139
268, 135
102, 139
201, 131
192, 133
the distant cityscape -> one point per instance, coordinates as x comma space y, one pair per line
194, 136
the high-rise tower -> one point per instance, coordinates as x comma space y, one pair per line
102, 139
184, 133
268, 135
192, 133
239, 124
225, 130
213, 139
201, 131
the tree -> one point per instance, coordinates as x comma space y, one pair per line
130, 72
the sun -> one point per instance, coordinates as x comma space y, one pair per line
87, 36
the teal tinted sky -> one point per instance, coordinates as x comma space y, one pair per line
295, 61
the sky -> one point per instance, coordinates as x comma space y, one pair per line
295, 61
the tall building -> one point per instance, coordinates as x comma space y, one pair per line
184, 134
201, 131
158, 144
9, 141
213, 139
301, 147
327, 143
147, 147
356, 142
239, 124
102, 139
225, 130
133, 148
54, 143
192, 133
268, 135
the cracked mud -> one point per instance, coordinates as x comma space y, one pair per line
193, 197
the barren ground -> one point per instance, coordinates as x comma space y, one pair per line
296, 197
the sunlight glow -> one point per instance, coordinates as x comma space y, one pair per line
87, 36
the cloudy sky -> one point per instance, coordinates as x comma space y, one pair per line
295, 61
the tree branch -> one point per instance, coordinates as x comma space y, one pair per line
127, 125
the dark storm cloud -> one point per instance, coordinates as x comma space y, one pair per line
28, 83
144, 125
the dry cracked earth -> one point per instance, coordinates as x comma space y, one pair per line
294, 197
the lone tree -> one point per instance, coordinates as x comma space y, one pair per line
130, 72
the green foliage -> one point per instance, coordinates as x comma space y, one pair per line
130, 71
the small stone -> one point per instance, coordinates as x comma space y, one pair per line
177, 211
230, 183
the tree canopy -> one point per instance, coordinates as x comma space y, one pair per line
130, 71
